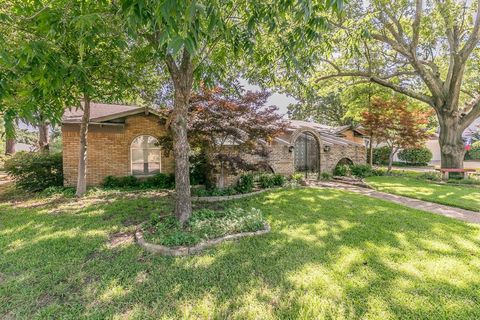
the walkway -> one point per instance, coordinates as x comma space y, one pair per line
452, 212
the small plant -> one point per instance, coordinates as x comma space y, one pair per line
245, 183
121, 182
266, 181
325, 176
342, 170
160, 180
279, 180
361, 170
33, 171
381, 155
432, 176
298, 176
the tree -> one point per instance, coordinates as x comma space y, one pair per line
224, 128
198, 41
396, 124
425, 50
70, 52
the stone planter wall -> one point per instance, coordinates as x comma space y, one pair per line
184, 250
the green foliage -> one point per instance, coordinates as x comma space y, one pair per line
269, 180
361, 170
214, 192
159, 180
298, 176
342, 170
380, 155
245, 183
66, 192
204, 224
417, 156
474, 152
35, 171
325, 176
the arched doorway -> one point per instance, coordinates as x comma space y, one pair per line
307, 154
345, 162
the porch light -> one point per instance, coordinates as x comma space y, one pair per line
291, 148
326, 148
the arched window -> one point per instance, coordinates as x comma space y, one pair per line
145, 156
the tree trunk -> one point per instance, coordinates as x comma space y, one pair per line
82, 155
10, 146
181, 149
390, 159
451, 143
44, 137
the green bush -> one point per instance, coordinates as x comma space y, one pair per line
266, 181
245, 183
159, 180
33, 171
381, 155
361, 170
418, 156
432, 176
278, 180
474, 153
298, 176
342, 170
325, 176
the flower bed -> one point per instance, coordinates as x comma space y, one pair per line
206, 227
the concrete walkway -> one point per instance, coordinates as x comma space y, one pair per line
452, 212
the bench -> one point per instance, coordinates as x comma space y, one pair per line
445, 172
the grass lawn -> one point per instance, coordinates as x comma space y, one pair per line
330, 254
452, 195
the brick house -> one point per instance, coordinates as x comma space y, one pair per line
122, 140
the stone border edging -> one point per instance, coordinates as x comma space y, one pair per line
184, 250
232, 197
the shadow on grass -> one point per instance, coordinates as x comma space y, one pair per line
330, 254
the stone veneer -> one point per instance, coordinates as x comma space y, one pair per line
108, 151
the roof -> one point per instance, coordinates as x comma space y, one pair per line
329, 135
100, 112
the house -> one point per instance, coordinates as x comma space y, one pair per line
123, 140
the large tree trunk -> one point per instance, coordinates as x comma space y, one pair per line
43, 137
10, 146
451, 143
390, 159
182, 77
181, 149
82, 155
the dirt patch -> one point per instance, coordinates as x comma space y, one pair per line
119, 239
44, 300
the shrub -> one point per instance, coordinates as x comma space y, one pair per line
297, 176
361, 170
35, 171
325, 176
474, 152
160, 180
121, 182
418, 156
266, 181
279, 180
244, 183
342, 170
432, 176
381, 155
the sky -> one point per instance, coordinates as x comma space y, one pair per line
280, 100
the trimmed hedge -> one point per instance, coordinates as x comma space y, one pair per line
418, 156
34, 171
160, 181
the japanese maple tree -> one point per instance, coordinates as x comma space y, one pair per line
395, 123
231, 132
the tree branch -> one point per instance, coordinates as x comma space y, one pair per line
473, 114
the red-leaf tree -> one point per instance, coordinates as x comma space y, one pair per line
230, 132
395, 123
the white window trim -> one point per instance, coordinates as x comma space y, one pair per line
131, 156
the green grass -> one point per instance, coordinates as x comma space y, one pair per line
330, 254
452, 195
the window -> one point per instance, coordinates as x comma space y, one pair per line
145, 156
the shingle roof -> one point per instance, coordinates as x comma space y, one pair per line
328, 134
100, 112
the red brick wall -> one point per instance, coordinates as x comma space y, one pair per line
108, 151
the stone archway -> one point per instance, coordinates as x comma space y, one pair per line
345, 161
306, 158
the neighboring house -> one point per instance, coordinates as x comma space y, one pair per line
122, 140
